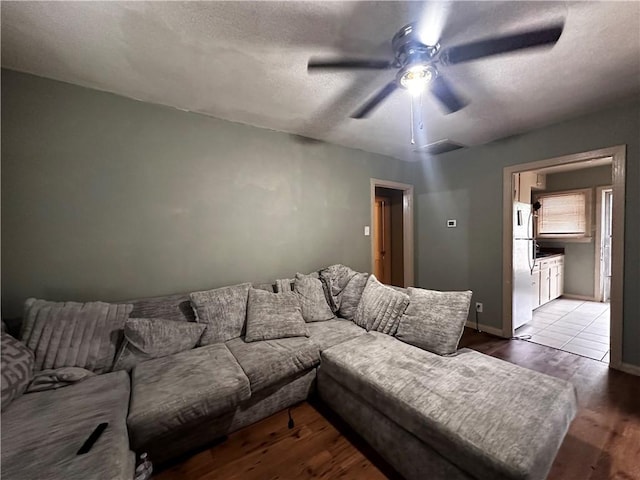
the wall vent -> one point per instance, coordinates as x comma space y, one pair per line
441, 146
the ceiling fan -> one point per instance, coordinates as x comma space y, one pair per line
417, 63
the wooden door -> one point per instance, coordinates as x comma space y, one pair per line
382, 239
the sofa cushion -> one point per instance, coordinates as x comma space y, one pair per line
327, 334
71, 334
17, 368
433, 320
351, 294
312, 300
183, 390
58, 378
335, 278
147, 338
489, 417
380, 307
274, 315
44, 445
223, 310
268, 362
284, 285
171, 307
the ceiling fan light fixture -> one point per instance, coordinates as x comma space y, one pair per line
417, 77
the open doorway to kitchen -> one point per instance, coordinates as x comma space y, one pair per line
392, 232
555, 253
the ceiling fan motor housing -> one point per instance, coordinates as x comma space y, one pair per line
413, 57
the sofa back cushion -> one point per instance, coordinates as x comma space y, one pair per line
274, 315
312, 299
170, 307
380, 307
147, 338
71, 334
223, 311
335, 278
351, 294
17, 368
434, 321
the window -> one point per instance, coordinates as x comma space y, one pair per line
564, 214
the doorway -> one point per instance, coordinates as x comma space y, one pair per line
388, 236
392, 232
617, 156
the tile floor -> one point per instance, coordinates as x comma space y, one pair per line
574, 326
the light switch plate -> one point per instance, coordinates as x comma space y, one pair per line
452, 223
367, 231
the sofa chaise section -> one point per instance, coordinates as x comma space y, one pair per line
41, 432
466, 408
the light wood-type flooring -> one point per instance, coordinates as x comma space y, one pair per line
603, 442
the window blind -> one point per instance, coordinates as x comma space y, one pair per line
563, 214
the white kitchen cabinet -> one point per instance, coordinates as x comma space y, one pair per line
525, 182
549, 277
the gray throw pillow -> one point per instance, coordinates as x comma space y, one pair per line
58, 378
434, 320
71, 334
312, 300
335, 278
17, 368
284, 285
147, 338
351, 295
274, 315
223, 310
380, 307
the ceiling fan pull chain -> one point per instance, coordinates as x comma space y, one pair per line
421, 124
413, 140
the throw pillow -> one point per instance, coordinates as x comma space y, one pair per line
434, 320
58, 378
351, 295
312, 300
71, 334
335, 278
380, 307
274, 315
223, 310
17, 368
147, 338
284, 285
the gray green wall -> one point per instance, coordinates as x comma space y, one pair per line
580, 258
109, 198
467, 185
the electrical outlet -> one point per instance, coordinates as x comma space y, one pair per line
479, 307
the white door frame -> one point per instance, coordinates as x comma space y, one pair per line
407, 224
618, 154
597, 287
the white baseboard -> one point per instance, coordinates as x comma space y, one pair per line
586, 298
485, 328
628, 368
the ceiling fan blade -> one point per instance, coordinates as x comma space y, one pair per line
367, 108
441, 89
497, 45
371, 64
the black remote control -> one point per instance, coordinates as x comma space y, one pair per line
93, 438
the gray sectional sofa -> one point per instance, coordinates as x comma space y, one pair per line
446, 416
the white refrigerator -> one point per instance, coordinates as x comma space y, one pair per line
523, 251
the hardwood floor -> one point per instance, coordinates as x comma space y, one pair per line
603, 442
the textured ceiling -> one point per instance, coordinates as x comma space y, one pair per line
246, 62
